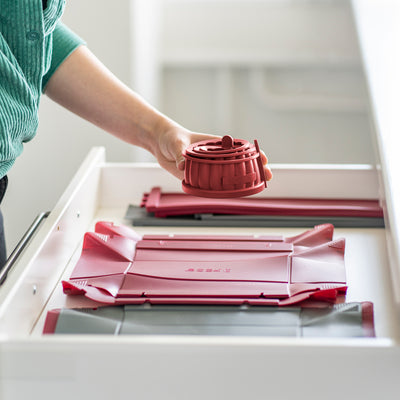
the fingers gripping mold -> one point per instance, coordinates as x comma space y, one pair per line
223, 168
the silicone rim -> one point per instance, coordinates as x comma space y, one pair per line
223, 193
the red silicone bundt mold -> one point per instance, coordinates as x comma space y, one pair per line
224, 167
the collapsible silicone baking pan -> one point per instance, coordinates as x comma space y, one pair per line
138, 216
172, 204
224, 168
118, 268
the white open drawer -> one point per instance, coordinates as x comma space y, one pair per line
195, 367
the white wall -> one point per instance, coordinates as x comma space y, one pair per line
285, 72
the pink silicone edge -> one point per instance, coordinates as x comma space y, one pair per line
50, 323
368, 324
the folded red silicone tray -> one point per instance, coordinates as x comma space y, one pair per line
173, 204
117, 266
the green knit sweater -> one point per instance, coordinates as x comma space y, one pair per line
33, 43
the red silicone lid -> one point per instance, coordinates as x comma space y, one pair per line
223, 167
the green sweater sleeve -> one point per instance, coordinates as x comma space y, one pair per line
63, 44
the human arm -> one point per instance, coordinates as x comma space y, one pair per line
86, 87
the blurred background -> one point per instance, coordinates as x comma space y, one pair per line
287, 72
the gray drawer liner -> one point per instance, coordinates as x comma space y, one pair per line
342, 320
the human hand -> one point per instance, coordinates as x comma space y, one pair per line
173, 142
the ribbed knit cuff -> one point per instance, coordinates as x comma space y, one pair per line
64, 43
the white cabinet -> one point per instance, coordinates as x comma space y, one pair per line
181, 367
